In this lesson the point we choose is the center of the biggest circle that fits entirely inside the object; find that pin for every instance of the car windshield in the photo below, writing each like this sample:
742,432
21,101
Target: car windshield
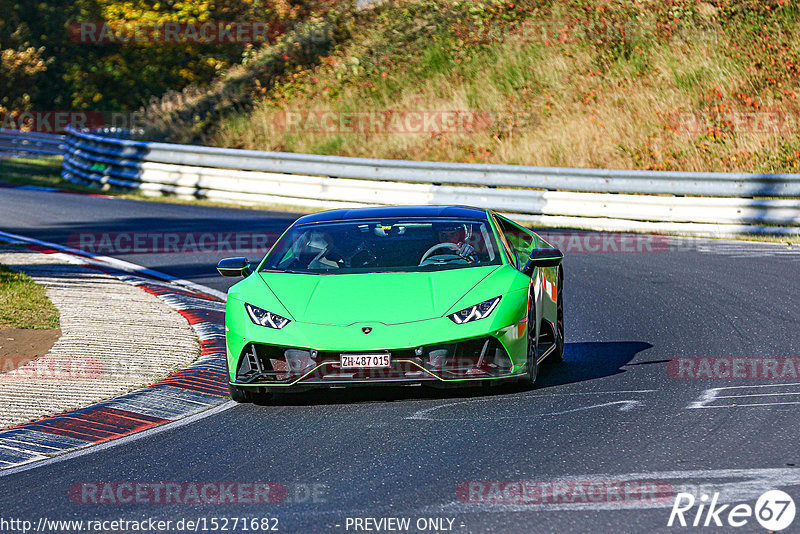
384,245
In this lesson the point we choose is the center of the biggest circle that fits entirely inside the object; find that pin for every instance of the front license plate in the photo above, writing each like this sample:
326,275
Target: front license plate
365,361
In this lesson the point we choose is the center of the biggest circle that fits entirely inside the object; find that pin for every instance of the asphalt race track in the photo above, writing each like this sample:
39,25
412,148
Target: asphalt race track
613,411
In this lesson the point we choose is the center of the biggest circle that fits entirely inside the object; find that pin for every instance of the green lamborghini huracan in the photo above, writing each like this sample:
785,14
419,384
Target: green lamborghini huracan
394,295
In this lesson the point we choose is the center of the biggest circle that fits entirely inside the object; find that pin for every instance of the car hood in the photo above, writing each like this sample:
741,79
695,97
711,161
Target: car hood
388,298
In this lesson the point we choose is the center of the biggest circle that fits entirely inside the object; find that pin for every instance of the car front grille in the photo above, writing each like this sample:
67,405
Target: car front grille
476,358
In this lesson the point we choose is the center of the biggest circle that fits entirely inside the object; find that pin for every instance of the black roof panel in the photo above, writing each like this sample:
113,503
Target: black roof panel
457,212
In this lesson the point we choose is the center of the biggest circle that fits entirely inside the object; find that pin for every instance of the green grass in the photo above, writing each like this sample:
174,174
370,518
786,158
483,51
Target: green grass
44,171
608,92
23,304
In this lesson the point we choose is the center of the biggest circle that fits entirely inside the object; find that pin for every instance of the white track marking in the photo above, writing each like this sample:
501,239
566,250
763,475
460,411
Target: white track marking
750,485
751,405
627,405
710,395
91,448
604,392
424,414
757,395
748,249
114,262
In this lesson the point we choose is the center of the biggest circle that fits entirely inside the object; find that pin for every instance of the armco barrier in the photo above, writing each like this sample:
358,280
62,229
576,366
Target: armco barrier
692,203
16,143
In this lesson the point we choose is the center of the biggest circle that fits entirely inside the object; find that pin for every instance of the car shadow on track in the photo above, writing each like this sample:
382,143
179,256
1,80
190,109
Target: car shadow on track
590,360
582,361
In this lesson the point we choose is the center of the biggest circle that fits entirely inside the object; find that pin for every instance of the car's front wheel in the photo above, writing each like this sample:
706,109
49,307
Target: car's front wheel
247,395
532,366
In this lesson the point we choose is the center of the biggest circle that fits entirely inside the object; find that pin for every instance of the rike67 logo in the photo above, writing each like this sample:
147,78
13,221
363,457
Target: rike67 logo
774,510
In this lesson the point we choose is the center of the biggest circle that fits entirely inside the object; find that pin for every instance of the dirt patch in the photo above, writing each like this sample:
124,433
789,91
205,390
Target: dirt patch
18,346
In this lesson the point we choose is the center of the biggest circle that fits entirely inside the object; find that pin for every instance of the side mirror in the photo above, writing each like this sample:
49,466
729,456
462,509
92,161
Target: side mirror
234,267
542,257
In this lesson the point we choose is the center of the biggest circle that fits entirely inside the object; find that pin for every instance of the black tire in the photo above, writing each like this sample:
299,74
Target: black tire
239,394
532,367
558,353
248,395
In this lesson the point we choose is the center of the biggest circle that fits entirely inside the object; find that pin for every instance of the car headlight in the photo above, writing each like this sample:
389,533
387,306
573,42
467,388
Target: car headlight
265,318
473,313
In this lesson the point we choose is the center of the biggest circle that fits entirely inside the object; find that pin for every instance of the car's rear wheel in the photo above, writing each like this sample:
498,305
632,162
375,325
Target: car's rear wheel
558,353
532,366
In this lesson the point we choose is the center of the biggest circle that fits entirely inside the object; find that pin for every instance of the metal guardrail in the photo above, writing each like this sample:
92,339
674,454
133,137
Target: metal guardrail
16,142
600,199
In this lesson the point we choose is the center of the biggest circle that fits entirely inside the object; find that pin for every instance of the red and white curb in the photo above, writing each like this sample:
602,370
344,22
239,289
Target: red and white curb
185,393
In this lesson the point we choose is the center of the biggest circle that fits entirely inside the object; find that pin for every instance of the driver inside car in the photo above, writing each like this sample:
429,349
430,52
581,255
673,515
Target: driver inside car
459,235
321,244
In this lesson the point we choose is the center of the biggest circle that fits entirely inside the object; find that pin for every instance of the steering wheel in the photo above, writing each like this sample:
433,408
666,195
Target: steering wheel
436,247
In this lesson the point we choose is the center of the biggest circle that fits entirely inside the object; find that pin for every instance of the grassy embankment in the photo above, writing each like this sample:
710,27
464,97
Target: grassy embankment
641,84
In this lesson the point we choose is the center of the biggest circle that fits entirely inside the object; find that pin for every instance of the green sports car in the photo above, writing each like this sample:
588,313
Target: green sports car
425,295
